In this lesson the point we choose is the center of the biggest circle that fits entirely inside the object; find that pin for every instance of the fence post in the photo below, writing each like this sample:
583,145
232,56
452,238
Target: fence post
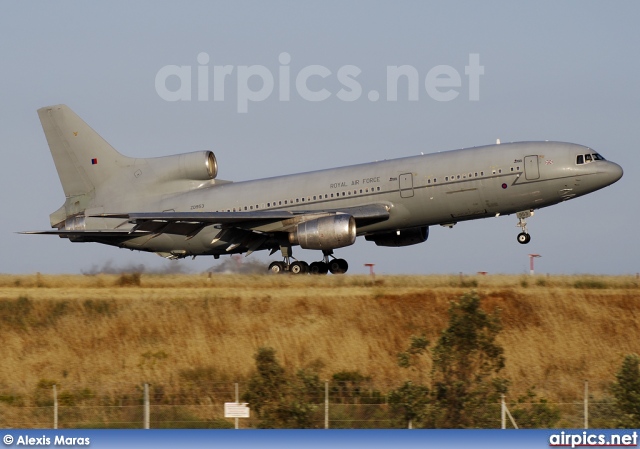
326,404
505,412
146,406
586,404
237,402
55,407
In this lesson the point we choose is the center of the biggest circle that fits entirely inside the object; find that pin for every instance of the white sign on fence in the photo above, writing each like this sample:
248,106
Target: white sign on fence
236,410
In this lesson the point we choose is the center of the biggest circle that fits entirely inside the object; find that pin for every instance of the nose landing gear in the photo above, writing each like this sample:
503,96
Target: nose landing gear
523,237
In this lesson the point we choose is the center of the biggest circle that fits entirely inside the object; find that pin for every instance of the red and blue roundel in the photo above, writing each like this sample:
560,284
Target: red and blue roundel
504,185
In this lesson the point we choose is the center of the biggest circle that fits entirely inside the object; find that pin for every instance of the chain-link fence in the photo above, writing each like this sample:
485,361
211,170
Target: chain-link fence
342,405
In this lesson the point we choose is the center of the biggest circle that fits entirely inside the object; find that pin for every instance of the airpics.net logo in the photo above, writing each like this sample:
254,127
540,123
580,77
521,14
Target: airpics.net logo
314,83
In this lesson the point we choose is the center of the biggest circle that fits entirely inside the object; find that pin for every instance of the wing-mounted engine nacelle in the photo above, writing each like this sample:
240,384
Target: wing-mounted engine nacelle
333,231
197,166
403,237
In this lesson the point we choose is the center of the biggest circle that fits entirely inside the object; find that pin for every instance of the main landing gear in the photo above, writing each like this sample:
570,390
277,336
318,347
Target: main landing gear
335,266
524,236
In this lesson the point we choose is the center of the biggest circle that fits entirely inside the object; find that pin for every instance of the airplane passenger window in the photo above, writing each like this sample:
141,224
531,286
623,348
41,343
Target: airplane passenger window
580,159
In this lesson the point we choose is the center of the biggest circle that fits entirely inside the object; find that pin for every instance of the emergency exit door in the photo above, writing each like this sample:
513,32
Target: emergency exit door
531,170
406,185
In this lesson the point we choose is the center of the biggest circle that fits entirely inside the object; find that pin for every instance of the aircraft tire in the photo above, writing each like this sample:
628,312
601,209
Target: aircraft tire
338,266
299,268
276,267
524,238
318,268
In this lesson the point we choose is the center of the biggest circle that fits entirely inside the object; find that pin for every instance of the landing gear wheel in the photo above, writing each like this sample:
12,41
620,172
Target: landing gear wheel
318,268
277,267
299,267
524,238
338,266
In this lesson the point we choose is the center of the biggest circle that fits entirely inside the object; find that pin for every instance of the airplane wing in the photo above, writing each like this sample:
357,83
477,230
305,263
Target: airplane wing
249,231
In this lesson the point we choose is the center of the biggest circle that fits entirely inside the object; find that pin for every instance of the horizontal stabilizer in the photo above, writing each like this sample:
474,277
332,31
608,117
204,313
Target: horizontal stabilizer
92,233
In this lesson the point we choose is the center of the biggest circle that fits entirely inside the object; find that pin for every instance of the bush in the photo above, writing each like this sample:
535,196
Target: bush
129,280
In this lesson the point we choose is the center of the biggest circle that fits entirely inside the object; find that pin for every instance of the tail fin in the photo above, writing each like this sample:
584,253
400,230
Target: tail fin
83,159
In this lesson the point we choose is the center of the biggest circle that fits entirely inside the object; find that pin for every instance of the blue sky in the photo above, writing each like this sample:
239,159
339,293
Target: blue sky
552,71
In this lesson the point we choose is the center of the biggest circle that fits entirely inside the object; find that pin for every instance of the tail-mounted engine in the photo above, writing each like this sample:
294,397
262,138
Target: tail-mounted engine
197,166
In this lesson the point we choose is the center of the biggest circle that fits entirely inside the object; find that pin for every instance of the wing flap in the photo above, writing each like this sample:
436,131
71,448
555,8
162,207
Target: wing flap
204,217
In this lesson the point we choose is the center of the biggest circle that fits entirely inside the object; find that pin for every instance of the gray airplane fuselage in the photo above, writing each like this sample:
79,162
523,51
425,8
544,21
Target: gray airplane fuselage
431,189
175,206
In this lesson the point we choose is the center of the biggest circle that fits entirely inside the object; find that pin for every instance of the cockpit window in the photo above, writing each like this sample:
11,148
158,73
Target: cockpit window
586,158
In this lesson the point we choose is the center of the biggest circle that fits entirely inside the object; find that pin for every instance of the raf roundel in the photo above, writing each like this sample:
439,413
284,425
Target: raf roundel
504,185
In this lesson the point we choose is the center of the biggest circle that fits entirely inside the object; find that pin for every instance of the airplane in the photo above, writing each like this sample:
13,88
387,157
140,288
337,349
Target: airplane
176,207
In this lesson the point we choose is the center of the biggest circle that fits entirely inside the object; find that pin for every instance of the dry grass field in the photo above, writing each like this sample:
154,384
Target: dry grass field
106,330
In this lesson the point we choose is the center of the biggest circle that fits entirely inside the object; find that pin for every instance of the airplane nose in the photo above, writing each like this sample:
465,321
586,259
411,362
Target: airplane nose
617,172
613,172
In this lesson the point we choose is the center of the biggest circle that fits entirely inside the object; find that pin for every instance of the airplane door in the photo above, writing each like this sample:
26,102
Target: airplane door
406,185
531,170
